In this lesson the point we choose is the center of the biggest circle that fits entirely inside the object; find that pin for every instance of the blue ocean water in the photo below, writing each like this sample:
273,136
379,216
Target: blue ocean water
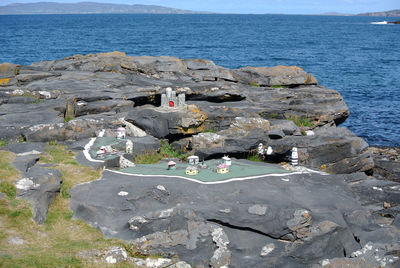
348,54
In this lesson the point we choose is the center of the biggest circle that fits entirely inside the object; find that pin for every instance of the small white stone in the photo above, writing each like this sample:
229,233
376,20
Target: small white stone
155,263
161,187
285,180
267,249
226,210
26,184
123,193
111,259
257,209
310,133
45,94
377,188
29,153
325,262
166,213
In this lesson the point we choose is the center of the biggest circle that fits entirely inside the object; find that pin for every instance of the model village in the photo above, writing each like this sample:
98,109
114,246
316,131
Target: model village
117,151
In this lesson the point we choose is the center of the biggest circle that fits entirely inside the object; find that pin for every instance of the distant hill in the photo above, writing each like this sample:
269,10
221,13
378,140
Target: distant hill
88,8
336,14
391,13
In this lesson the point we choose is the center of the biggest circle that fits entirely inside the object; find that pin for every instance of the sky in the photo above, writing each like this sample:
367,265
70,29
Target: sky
255,6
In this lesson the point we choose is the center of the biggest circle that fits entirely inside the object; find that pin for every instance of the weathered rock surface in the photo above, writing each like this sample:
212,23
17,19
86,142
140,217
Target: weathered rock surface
334,150
162,123
387,162
39,189
301,221
39,185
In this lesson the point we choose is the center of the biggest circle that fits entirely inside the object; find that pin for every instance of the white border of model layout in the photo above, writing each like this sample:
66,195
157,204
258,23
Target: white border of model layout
89,158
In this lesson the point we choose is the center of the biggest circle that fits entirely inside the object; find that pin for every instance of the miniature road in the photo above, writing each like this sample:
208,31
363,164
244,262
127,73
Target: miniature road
239,170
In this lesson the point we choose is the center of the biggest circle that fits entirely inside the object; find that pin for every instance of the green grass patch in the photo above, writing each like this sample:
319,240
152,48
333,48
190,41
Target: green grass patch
277,86
254,158
210,130
65,187
57,154
8,188
273,115
148,158
300,121
3,143
166,151
67,119
7,171
56,243
254,84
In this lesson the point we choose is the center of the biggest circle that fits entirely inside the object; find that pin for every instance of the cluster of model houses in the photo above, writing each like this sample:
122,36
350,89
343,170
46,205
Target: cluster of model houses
195,165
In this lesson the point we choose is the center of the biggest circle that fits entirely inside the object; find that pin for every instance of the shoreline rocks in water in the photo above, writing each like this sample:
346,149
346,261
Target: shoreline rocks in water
303,220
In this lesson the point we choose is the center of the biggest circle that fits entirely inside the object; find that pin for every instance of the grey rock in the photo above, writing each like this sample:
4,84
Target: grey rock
304,228
276,134
115,255
258,210
40,189
162,122
21,100
396,222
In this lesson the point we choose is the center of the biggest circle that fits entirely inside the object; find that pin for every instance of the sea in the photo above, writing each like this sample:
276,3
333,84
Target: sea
349,54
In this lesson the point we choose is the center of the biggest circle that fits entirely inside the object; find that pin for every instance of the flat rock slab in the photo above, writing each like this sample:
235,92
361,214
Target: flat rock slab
290,221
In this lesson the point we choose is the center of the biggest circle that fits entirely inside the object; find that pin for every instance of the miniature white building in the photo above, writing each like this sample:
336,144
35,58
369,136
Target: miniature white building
171,165
226,161
129,147
100,153
260,149
294,157
121,133
192,171
222,169
169,99
193,160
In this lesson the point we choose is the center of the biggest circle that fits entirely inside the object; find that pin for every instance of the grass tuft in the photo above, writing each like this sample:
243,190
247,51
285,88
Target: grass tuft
3,143
254,157
166,151
302,121
254,84
8,188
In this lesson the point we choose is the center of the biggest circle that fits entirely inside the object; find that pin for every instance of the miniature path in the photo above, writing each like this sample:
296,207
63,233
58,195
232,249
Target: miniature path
240,170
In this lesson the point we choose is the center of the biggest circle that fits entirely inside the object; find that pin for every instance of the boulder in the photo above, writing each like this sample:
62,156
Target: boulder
166,122
8,72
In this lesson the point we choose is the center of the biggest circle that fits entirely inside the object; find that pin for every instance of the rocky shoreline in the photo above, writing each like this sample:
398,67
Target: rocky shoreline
349,215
